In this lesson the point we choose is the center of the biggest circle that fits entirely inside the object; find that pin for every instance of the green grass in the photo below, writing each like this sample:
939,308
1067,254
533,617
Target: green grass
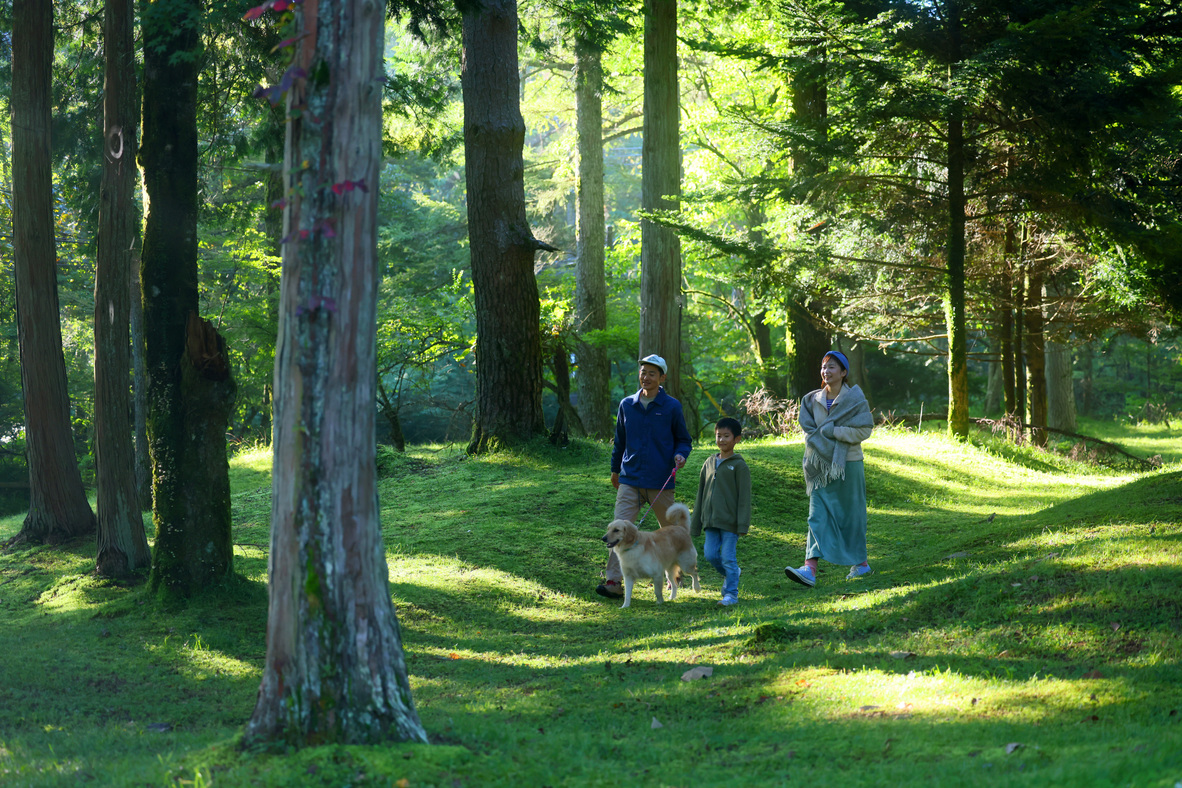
1023,626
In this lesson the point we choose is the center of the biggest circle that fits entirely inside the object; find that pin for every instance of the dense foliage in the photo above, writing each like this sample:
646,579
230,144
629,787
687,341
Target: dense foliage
862,239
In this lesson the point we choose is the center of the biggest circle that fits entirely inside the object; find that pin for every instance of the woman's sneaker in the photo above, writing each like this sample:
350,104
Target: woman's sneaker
858,571
804,575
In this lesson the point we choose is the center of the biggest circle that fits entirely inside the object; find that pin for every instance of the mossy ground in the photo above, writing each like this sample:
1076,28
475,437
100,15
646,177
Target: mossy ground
1023,626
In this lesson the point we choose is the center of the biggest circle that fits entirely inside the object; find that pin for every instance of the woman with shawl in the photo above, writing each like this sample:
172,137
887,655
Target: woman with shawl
835,419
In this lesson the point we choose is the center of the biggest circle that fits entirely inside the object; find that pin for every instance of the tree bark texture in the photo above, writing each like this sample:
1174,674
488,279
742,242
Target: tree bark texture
508,337
58,509
1036,377
139,375
1060,388
190,389
593,378
954,296
660,189
1005,331
806,341
806,344
335,670
122,544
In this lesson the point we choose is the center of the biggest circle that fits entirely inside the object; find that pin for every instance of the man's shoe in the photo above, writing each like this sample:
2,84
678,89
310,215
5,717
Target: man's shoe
611,589
804,575
858,571
727,601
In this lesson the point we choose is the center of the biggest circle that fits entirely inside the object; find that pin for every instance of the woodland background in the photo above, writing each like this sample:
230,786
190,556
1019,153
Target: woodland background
1072,173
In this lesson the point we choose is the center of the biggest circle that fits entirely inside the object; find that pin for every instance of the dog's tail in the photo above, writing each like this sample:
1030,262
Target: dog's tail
678,514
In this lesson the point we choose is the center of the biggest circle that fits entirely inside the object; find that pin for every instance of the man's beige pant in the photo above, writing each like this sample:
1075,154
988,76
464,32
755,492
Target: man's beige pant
629,501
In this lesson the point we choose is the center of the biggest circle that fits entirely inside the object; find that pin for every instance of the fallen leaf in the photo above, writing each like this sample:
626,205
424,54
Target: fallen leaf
1093,674
700,672
1047,557
656,724
1093,718
1034,578
902,654
403,783
1012,746
961,554
159,727
1015,585
1115,625
974,702
868,708
1003,653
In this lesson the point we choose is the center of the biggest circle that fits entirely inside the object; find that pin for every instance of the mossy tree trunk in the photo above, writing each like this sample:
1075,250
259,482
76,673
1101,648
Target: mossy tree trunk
954,295
508,336
661,298
58,509
593,382
122,545
335,670
1036,377
190,390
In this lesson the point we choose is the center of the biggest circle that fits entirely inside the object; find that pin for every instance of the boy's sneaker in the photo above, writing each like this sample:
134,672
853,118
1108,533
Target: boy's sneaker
804,575
611,589
858,571
727,601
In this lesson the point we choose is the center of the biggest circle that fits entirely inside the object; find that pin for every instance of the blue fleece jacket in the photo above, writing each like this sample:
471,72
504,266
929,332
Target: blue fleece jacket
647,439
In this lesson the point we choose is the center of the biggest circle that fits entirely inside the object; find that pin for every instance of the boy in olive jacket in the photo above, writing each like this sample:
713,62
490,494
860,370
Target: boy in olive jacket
723,506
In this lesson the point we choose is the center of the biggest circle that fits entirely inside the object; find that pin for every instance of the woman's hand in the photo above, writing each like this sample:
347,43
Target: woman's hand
827,429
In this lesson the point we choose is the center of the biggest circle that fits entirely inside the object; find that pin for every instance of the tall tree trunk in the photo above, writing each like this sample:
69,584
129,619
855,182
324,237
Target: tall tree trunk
508,337
122,544
1005,329
593,380
954,297
1088,358
660,190
139,376
1060,388
58,509
993,386
1035,357
190,390
335,670
806,343
1019,285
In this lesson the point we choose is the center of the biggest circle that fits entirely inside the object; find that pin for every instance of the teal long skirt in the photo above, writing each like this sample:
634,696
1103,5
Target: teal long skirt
837,519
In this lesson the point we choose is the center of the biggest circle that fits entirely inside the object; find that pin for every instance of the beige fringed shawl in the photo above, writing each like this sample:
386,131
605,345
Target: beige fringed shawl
824,458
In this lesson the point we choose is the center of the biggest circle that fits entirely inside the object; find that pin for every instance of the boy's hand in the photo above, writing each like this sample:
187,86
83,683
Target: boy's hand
616,480
679,461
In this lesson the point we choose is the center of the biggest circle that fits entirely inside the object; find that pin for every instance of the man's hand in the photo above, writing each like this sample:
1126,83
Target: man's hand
678,461
616,480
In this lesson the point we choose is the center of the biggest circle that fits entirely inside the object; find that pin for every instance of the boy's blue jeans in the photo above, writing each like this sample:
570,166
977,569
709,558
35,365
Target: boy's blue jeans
720,549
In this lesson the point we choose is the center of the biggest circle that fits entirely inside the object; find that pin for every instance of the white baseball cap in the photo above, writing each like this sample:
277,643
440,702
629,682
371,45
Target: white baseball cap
656,361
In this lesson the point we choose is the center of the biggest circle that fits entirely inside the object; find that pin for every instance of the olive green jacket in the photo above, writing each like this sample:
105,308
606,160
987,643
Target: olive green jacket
724,496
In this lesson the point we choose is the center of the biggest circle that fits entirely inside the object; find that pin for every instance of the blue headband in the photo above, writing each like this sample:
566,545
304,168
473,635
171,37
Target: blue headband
841,359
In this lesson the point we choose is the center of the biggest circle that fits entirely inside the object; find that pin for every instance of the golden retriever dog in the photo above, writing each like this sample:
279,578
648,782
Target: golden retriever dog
661,554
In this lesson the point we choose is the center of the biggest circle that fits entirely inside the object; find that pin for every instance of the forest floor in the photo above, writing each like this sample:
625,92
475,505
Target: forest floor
1023,626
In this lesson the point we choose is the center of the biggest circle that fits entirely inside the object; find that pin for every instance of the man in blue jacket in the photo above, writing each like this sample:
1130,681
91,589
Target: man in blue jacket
651,441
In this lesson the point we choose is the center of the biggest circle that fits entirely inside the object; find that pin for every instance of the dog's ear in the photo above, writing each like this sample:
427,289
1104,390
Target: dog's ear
630,532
